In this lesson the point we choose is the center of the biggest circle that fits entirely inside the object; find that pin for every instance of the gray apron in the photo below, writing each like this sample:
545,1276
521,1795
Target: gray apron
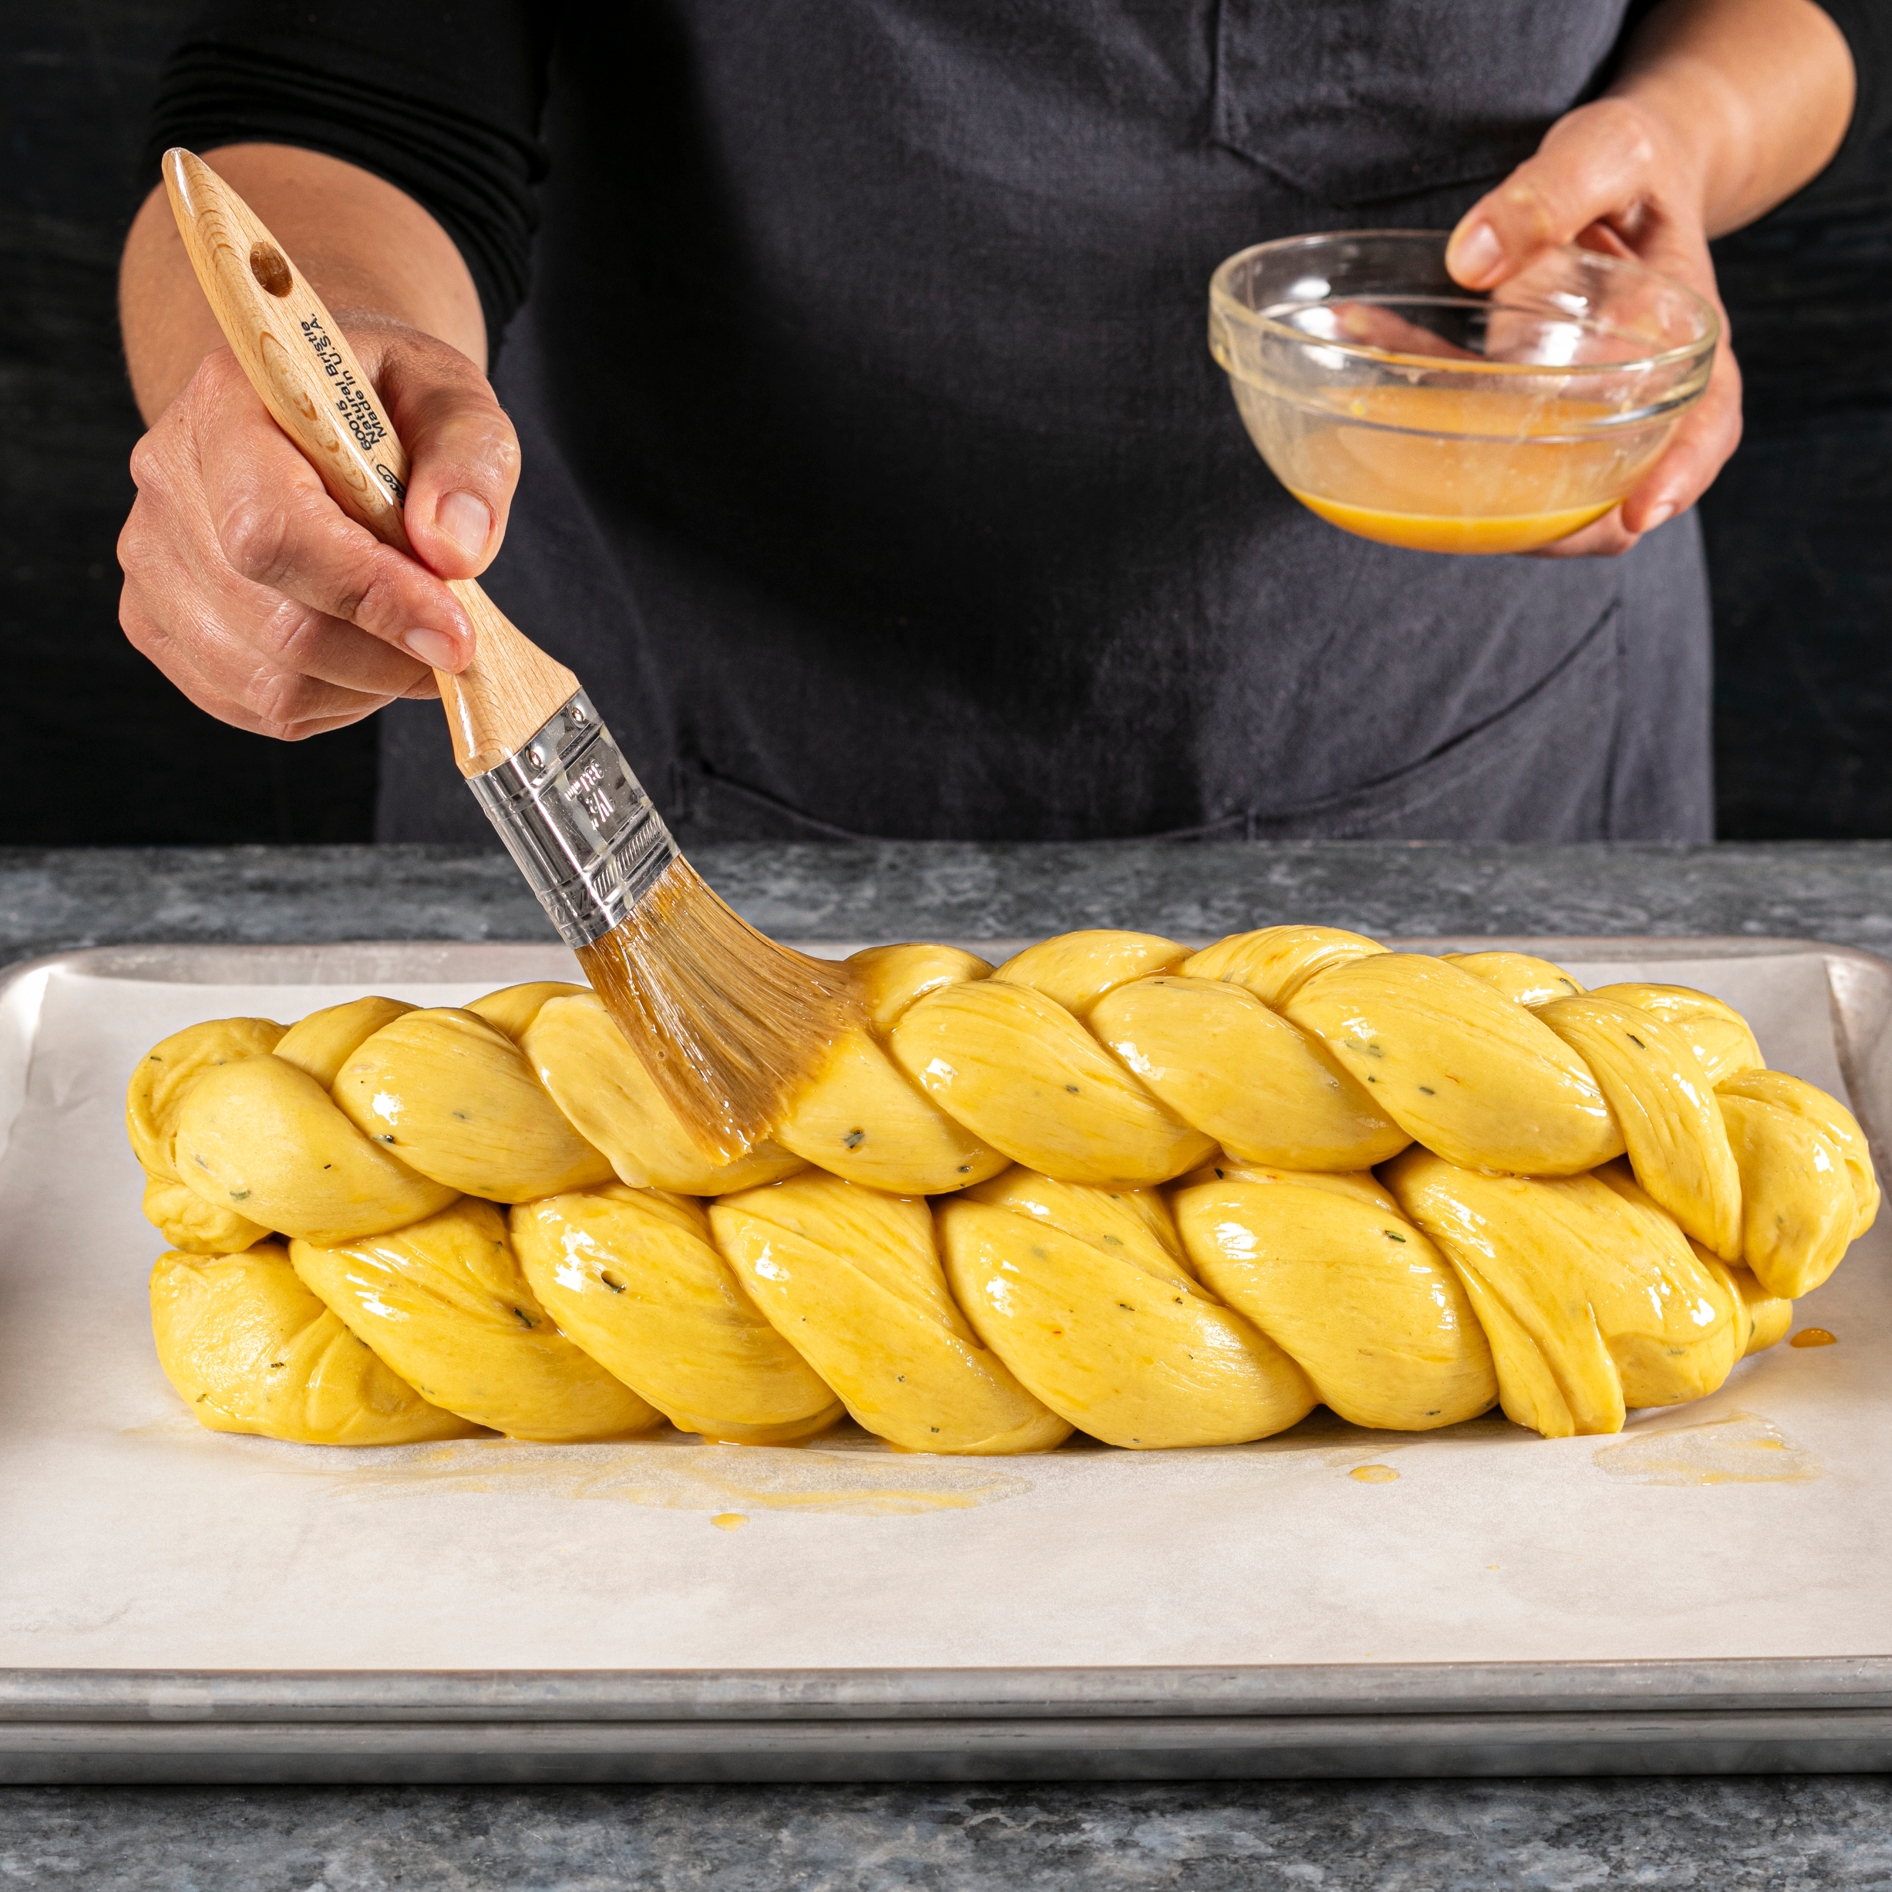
878,481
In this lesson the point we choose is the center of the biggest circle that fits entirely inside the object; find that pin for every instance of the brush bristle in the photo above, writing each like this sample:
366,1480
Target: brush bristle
729,1024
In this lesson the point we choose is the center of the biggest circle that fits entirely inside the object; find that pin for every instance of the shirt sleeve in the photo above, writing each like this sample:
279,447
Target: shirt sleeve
1867,25
443,101
1867,28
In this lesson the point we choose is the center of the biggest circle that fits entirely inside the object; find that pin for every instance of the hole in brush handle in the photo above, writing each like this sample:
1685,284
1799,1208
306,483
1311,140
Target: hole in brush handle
271,269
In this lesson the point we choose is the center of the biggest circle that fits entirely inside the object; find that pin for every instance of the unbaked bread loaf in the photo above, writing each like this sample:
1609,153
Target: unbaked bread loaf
1163,1197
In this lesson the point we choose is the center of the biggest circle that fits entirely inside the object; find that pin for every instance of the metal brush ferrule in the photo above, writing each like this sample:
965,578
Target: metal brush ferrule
578,822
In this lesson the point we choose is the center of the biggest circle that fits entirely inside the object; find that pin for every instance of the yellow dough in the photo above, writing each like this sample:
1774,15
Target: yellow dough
1462,1069
1242,1074
266,1140
1521,977
1592,1302
445,1304
890,978
1767,1316
322,1043
195,1226
1797,1200
167,1072
1075,970
513,1007
1084,1295
851,1280
1275,962
865,1119
1828,1116
1701,1331
453,1097
1361,1300
591,1075
1165,1197
250,1349
632,1276
1361,1185
1670,1121
1719,1036
1023,1075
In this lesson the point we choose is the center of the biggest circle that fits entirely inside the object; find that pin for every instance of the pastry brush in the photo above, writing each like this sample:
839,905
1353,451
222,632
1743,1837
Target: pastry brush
728,1023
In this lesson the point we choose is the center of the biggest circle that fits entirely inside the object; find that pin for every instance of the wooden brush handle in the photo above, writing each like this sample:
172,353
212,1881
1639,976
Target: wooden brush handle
299,361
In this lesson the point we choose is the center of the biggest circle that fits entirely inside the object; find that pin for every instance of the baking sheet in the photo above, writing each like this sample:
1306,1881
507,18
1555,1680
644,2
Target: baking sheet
1751,1524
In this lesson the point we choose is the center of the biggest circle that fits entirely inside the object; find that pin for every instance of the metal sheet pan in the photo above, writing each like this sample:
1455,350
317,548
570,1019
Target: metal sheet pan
1809,1713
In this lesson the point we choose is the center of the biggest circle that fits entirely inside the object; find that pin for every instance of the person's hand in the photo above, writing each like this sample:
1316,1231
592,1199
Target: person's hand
1615,176
258,596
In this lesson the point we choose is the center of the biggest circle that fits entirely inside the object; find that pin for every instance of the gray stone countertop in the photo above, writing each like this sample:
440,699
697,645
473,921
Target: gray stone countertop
1726,1835
56,898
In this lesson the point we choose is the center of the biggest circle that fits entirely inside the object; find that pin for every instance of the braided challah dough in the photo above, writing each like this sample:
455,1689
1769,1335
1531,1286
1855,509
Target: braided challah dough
1162,1197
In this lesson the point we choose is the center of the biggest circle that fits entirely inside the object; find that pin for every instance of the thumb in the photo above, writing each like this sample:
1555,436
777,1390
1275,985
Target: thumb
463,454
1591,167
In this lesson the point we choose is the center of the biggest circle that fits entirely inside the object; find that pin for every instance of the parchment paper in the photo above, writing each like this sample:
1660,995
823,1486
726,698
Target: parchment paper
1753,1523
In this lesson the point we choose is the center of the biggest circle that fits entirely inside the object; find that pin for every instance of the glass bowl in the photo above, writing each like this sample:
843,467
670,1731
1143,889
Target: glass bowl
1404,408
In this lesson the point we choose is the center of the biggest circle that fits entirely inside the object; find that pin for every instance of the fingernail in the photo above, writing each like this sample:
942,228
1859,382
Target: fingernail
467,520
1658,515
434,648
1474,252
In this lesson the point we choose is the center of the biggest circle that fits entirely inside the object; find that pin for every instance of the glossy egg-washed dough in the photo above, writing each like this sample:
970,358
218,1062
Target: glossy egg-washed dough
1161,1197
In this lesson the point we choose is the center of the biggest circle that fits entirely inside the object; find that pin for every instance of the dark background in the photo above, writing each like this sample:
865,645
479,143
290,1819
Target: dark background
100,749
